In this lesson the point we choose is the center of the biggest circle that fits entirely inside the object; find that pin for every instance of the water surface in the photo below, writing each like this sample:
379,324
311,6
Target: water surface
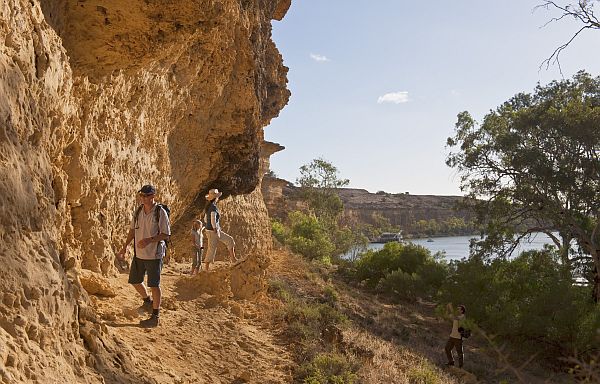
457,247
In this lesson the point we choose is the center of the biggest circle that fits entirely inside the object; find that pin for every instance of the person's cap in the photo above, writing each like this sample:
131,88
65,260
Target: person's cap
148,190
213,194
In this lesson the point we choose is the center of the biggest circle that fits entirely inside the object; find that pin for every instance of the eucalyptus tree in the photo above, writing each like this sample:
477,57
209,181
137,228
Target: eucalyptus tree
533,165
319,181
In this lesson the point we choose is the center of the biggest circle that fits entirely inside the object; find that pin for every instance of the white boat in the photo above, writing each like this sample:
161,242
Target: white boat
387,237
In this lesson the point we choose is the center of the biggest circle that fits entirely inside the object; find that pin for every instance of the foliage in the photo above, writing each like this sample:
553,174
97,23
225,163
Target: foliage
307,321
329,368
423,374
535,160
308,237
452,226
401,270
320,233
278,230
318,182
530,299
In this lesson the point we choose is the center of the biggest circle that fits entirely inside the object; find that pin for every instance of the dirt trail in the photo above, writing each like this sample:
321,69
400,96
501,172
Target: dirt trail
203,336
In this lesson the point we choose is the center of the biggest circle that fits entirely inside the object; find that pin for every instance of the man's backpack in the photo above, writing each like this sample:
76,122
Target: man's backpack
464,333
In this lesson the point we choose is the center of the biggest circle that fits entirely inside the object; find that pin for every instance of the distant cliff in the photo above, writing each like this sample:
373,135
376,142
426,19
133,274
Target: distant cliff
402,210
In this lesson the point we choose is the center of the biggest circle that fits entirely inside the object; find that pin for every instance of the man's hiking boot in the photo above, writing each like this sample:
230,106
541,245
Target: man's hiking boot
150,322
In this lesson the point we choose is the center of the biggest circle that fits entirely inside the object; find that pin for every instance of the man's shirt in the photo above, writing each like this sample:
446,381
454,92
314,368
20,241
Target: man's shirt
146,226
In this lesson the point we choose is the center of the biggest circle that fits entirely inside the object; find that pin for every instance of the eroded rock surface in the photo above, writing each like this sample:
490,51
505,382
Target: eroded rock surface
96,99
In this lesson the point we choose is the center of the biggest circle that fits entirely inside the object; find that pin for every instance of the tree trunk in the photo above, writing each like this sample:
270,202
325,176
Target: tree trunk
596,282
565,248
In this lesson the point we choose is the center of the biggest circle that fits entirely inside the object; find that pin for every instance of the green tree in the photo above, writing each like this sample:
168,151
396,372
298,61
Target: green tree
318,182
534,163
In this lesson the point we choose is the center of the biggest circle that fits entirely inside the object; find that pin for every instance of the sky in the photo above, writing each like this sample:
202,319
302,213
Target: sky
376,85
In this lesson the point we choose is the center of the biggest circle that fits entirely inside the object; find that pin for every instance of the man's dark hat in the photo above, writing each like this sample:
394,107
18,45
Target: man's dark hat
148,189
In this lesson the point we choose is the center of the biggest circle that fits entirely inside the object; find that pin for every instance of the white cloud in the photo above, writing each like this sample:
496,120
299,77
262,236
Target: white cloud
319,58
455,92
394,97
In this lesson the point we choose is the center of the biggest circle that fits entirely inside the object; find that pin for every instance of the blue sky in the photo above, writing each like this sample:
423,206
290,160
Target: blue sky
376,85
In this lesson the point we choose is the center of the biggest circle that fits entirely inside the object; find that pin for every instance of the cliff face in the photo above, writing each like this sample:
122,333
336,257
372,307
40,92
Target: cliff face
401,210
97,99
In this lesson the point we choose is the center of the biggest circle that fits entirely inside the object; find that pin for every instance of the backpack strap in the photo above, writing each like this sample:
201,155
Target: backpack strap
159,207
135,224
137,214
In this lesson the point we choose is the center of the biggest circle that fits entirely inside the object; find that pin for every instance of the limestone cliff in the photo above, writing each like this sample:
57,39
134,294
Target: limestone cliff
402,210
98,98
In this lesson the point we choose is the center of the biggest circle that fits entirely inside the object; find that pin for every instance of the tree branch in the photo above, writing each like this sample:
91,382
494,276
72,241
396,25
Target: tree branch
583,12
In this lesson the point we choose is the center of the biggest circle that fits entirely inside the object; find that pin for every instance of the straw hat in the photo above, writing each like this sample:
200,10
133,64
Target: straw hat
213,194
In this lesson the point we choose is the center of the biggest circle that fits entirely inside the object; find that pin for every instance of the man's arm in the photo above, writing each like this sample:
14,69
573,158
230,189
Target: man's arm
154,239
121,253
163,225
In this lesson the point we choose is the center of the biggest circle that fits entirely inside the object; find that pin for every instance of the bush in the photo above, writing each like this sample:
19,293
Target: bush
329,368
278,231
401,284
308,237
402,270
307,326
423,374
529,298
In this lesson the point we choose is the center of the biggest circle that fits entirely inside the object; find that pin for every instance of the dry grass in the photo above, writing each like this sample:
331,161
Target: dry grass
385,362
400,342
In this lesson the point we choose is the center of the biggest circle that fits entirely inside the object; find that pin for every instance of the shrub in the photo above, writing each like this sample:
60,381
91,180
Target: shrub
278,231
529,298
329,368
401,284
330,295
423,374
308,237
402,270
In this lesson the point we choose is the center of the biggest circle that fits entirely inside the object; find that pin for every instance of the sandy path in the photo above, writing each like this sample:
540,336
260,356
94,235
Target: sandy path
201,338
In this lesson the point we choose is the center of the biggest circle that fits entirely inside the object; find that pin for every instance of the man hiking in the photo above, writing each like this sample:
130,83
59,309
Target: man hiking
150,228
455,341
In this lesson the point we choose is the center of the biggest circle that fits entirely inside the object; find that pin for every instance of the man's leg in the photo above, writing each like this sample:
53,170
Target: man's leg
156,295
154,268
448,349
141,288
459,350
136,278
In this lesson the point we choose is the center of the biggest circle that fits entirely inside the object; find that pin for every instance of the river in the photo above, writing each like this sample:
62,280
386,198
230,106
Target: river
457,247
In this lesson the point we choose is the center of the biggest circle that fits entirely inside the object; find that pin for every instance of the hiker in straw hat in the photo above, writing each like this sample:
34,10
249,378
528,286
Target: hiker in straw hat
213,230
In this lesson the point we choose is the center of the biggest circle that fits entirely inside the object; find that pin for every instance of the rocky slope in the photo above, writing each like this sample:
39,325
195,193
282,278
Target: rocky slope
98,98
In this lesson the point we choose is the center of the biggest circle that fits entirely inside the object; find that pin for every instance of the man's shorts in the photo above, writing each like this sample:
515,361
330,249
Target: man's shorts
140,267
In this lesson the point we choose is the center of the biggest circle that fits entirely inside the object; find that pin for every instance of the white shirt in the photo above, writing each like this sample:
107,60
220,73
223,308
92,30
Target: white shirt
148,227
198,240
455,324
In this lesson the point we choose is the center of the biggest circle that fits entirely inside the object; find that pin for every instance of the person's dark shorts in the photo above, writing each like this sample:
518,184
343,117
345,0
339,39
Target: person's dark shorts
140,267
